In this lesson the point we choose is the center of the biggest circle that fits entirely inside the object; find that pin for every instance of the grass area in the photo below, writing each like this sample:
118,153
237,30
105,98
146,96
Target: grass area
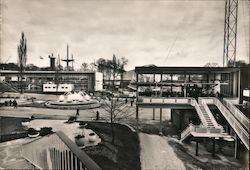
126,144
11,128
202,162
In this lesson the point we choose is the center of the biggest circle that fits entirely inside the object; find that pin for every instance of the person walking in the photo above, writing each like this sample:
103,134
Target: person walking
77,112
132,102
97,115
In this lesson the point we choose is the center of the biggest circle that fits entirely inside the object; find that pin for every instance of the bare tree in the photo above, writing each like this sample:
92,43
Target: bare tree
118,110
22,57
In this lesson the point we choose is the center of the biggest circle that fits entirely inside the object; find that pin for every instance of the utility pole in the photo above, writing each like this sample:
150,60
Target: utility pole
230,33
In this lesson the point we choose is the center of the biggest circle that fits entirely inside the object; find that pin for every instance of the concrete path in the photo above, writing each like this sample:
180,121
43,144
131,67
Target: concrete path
157,154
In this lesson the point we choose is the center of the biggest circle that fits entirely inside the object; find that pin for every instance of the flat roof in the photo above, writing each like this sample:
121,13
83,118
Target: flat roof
46,72
187,70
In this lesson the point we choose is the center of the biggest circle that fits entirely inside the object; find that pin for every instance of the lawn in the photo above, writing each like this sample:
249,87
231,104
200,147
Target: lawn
123,154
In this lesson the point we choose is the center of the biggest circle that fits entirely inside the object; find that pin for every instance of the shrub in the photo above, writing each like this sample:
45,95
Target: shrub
32,131
45,131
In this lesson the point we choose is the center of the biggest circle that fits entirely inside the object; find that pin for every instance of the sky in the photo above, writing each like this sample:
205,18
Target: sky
160,32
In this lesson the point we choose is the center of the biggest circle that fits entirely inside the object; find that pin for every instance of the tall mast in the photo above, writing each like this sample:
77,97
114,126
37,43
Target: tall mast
67,56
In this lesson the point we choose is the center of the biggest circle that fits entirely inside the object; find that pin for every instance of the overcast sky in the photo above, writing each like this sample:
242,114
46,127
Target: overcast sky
160,32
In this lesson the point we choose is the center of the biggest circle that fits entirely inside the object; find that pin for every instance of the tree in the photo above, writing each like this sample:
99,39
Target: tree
118,110
22,57
84,66
92,66
123,63
101,65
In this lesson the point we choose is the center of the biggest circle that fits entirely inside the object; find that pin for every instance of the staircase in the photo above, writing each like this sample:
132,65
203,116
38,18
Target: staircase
57,151
7,87
206,116
230,104
11,157
18,164
237,126
208,127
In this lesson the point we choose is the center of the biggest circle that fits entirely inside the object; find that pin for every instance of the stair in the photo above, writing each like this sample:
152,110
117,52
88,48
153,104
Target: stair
206,116
7,87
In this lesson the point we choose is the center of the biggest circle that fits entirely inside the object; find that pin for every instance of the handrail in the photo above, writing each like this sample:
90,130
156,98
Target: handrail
240,131
57,151
187,131
199,112
200,130
237,113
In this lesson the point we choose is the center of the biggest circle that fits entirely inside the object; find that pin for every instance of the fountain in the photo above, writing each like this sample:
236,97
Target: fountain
73,100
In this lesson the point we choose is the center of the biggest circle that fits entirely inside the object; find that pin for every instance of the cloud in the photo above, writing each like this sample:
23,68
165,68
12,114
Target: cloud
142,31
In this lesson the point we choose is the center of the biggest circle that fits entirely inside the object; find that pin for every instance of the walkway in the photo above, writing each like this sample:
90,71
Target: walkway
157,154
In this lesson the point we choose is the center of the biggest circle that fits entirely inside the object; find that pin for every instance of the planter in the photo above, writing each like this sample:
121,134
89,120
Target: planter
34,135
25,125
79,140
92,137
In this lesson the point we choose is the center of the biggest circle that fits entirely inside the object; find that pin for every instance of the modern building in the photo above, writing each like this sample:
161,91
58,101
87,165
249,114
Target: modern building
204,102
88,81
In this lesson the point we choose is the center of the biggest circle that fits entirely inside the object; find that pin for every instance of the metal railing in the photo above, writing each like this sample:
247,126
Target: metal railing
229,103
235,124
57,151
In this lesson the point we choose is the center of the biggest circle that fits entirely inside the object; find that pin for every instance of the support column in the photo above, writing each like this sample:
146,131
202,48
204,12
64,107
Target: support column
160,120
171,83
137,116
153,113
161,85
171,115
181,120
213,147
236,147
197,147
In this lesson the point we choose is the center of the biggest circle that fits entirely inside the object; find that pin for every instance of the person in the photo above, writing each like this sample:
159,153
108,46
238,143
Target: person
10,102
126,100
132,101
97,115
77,112
15,104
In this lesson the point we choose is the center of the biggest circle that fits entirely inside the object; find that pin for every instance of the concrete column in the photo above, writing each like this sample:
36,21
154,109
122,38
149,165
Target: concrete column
197,147
236,147
161,86
171,83
235,83
181,120
137,116
171,115
213,147
153,113
160,120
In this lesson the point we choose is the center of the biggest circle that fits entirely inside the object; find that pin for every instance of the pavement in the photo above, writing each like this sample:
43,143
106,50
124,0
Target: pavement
157,154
